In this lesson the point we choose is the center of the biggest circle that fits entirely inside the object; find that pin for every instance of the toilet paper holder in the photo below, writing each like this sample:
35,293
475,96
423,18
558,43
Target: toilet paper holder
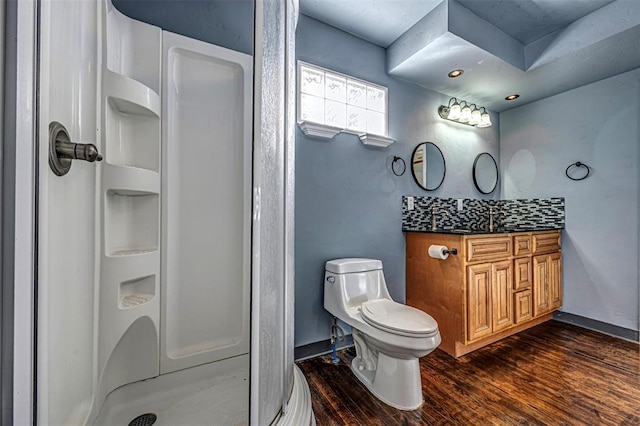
440,252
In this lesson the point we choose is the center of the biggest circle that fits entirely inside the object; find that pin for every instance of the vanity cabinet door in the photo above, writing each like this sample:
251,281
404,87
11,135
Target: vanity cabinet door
540,285
479,319
547,283
555,280
501,295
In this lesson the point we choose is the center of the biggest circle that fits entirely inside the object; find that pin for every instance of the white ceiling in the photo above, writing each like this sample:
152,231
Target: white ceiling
536,48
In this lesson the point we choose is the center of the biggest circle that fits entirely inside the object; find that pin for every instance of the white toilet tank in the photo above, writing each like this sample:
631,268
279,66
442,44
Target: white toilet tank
350,282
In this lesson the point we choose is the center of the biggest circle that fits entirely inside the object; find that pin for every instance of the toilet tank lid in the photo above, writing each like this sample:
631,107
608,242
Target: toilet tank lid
353,264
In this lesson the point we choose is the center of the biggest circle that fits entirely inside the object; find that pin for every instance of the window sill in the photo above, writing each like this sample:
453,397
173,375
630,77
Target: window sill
376,140
317,130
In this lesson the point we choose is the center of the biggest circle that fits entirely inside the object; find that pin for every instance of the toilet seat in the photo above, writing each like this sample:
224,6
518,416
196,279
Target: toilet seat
396,318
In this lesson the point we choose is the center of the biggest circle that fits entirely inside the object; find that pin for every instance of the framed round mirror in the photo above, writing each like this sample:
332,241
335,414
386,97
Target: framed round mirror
485,173
428,166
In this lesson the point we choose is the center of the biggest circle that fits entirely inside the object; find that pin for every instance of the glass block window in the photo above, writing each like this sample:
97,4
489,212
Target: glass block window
333,99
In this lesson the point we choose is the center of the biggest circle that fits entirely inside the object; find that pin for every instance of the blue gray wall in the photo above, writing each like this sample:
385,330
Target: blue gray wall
348,203
226,23
598,124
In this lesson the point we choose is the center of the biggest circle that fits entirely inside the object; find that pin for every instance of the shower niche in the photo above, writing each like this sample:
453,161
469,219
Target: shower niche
137,292
132,222
133,129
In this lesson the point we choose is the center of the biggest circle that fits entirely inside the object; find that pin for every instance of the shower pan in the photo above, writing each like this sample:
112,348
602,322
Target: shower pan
156,264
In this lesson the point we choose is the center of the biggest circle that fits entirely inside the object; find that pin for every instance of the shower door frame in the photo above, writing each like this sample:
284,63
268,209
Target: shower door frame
21,258
273,235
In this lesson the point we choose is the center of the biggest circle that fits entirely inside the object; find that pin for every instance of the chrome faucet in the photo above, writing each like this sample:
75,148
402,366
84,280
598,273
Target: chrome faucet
434,214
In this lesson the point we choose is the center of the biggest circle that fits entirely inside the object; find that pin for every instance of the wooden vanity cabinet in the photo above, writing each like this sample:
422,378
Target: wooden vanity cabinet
497,285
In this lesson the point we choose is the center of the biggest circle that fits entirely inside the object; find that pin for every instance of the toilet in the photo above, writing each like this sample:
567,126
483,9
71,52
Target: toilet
389,337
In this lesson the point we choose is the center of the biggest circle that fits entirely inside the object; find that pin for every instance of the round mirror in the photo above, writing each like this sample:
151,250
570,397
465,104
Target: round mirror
428,166
485,173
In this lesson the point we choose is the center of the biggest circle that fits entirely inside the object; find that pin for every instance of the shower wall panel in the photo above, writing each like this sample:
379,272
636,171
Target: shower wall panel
206,200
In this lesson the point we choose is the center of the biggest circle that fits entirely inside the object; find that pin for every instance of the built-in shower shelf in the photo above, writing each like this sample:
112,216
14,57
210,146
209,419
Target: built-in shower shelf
133,252
132,300
131,96
122,179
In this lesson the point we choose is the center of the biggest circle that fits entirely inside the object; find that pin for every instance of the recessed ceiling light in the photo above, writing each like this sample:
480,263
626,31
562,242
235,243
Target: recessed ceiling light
455,73
512,97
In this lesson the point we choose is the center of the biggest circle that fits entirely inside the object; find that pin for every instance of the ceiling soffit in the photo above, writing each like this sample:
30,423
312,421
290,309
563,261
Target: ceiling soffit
596,46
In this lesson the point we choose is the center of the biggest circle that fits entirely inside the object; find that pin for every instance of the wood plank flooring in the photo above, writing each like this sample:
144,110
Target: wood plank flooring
552,374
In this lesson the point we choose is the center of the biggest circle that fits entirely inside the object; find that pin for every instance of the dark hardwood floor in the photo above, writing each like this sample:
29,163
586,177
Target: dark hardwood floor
552,374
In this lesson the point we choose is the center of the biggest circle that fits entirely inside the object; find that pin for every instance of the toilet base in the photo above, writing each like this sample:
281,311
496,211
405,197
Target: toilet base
394,381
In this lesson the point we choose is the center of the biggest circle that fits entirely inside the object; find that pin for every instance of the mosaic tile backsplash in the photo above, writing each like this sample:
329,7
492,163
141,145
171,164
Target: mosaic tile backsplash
510,215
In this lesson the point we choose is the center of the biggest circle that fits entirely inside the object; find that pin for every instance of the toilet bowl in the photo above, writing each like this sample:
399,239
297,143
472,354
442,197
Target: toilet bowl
389,337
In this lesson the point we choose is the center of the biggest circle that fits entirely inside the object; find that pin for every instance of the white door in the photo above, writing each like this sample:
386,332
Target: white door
66,220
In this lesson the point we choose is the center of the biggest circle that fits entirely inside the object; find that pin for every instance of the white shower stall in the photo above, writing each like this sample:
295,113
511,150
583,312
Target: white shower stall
163,274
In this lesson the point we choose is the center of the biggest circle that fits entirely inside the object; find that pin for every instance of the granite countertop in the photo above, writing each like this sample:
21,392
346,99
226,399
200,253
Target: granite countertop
479,231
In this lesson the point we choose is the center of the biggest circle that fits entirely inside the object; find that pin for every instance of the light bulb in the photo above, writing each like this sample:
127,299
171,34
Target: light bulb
465,115
485,120
454,112
475,117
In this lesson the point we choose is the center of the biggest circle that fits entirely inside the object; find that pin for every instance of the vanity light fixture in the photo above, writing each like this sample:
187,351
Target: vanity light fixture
454,110
512,97
455,73
465,114
475,116
485,119
461,111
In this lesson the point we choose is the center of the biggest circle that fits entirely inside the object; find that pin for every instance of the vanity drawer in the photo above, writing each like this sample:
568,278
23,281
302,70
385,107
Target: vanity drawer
546,242
521,245
488,248
523,306
522,273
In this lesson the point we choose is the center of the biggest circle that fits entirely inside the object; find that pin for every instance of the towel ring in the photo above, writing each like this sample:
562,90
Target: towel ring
399,160
579,165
